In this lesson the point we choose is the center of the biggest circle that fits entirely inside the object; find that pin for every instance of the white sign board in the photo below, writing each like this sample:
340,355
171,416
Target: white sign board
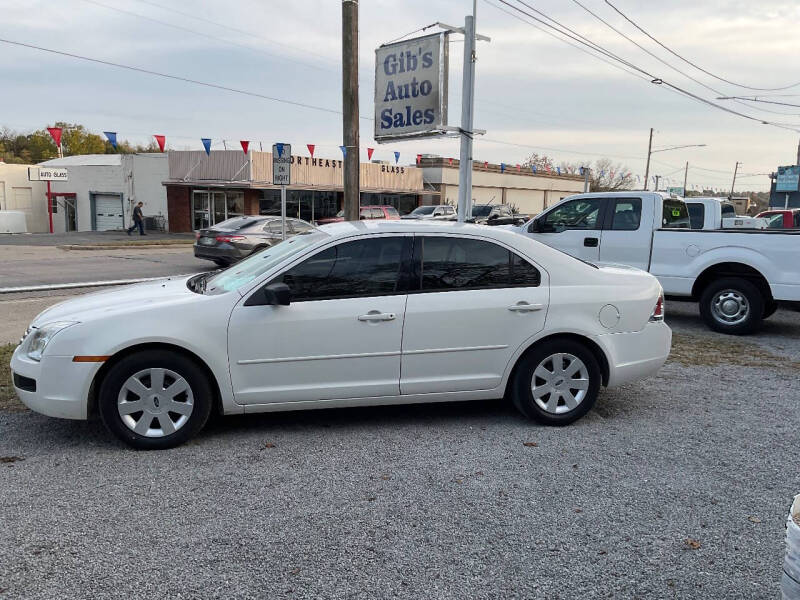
281,164
411,88
47,174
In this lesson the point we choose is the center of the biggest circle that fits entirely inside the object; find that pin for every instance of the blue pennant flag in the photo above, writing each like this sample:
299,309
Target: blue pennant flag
396,157
558,169
533,168
280,149
344,150
581,170
112,137
206,145
502,167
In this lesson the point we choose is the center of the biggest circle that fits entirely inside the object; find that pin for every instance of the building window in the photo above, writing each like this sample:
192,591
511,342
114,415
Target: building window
211,206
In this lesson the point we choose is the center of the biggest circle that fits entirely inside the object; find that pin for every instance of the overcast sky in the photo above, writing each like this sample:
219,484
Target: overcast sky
533,93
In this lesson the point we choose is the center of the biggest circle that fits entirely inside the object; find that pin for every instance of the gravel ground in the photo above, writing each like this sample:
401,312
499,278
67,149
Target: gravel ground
676,487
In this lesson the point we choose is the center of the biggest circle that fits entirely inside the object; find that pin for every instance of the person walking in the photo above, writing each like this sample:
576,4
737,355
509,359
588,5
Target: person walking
138,219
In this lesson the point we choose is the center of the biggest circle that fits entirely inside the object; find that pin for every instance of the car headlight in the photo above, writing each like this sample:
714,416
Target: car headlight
40,336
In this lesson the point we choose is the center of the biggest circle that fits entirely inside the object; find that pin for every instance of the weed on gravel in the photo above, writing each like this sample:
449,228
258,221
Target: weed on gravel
8,398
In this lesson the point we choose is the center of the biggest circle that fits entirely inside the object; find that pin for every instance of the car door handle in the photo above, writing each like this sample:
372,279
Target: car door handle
525,307
376,316
591,242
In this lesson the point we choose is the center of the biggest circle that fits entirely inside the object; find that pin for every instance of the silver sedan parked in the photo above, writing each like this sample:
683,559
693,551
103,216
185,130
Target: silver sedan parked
239,237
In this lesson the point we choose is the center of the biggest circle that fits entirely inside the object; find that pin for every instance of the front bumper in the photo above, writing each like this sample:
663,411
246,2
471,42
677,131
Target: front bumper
636,355
62,386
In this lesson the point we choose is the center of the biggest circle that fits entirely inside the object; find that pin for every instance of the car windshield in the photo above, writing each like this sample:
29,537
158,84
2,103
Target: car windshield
256,265
236,223
481,211
423,210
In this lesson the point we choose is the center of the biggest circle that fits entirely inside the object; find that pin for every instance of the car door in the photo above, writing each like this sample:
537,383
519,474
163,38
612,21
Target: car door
627,230
338,338
574,227
472,302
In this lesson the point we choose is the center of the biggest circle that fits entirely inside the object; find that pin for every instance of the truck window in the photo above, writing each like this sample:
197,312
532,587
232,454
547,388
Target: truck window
797,219
675,215
728,210
627,214
697,215
576,214
775,221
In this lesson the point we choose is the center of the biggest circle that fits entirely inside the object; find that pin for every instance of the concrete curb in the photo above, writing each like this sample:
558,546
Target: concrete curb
86,284
123,246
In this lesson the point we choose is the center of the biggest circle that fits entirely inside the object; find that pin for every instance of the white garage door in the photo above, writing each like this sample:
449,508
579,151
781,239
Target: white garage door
108,212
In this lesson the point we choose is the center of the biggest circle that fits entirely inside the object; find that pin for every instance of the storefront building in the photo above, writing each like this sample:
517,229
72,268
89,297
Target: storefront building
206,189
525,191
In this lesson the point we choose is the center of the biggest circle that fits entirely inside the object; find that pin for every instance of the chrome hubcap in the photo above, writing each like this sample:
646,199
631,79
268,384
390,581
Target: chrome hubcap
730,307
560,383
155,402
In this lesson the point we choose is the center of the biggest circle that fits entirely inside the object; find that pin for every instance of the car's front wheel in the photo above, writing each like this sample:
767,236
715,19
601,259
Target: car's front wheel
155,400
557,382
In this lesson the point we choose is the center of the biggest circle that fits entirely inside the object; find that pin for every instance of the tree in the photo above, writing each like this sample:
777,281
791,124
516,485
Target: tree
542,162
606,176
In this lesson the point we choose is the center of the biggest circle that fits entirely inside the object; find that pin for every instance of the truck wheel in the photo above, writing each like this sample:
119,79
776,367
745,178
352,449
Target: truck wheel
769,309
732,305
556,383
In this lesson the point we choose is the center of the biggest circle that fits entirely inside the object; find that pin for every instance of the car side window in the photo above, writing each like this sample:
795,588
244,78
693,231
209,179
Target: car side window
360,268
452,263
627,214
675,215
449,210
575,214
697,215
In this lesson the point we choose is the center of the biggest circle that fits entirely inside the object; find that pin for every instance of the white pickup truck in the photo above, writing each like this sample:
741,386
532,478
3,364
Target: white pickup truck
708,212
737,276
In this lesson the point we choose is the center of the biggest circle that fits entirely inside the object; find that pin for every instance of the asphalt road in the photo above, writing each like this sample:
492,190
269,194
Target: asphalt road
40,265
676,487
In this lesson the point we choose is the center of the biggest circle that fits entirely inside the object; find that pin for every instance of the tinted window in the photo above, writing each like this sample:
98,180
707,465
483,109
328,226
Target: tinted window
675,215
459,263
697,215
627,214
728,210
360,268
576,214
481,211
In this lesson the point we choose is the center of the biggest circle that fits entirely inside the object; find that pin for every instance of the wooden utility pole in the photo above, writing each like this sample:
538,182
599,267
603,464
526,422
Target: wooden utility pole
735,171
350,123
685,177
649,151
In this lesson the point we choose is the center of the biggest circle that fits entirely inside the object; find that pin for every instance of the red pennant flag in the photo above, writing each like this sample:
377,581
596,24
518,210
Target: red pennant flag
55,133
369,153
245,145
486,164
310,149
451,161
518,167
419,158
160,140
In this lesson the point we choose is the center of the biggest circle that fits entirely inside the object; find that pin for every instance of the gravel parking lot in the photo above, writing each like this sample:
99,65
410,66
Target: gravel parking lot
676,487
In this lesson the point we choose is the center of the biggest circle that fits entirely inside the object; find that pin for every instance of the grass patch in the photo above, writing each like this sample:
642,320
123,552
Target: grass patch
715,351
8,397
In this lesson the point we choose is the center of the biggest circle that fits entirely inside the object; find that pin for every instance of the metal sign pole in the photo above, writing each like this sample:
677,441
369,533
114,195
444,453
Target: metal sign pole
467,113
50,206
283,212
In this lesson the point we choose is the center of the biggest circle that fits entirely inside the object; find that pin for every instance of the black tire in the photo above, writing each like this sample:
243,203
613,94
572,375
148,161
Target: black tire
522,390
735,287
769,309
199,387
221,262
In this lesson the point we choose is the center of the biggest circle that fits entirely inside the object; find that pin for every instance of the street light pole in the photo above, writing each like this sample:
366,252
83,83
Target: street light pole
649,152
352,192
467,119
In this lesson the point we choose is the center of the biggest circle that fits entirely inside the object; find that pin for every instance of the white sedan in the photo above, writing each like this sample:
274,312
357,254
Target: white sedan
350,314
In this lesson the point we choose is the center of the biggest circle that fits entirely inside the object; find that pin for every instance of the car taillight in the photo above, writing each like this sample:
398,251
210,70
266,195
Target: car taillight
230,238
658,311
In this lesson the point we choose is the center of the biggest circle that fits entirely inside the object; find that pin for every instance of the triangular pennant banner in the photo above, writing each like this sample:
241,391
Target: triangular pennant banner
419,158
206,145
369,153
55,133
111,136
311,149
245,145
502,167
344,150
160,140
396,157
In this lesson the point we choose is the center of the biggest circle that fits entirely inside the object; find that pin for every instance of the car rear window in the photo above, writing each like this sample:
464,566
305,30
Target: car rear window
675,215
237,223
697,215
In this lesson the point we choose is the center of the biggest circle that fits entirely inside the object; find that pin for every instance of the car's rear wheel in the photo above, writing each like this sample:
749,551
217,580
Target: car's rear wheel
557,382
732,305
155,400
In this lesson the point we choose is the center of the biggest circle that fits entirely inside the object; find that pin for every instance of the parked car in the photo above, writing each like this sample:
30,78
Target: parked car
233,239
436,211
738,276
367,213
781,218
496,214
350,314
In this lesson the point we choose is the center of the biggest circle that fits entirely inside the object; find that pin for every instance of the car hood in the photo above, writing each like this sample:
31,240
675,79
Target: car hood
143,296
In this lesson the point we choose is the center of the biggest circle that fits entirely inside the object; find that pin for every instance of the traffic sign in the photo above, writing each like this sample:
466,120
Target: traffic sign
281,164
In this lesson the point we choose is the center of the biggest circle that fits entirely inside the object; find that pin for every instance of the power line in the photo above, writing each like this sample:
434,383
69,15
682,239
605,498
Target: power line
177,78
696,66
654,79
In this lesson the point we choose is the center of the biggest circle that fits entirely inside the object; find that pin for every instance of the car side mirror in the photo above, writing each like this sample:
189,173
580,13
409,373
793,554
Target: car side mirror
274,294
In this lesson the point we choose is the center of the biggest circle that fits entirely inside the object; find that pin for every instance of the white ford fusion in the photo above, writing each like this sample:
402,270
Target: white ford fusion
351,314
